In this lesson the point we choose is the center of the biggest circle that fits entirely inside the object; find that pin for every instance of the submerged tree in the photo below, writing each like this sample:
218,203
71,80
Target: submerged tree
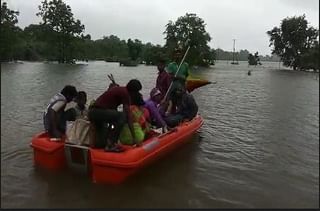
254,59
189,30
152,54
293,40
135,48
59,18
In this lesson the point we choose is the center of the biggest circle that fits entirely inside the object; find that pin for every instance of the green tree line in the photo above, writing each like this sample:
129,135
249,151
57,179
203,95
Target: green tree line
60,37
242,55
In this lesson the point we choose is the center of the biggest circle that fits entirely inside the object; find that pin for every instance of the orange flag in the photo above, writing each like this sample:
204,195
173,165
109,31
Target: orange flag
194,83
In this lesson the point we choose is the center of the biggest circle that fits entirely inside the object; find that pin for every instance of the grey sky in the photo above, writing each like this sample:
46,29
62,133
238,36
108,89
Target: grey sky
244,20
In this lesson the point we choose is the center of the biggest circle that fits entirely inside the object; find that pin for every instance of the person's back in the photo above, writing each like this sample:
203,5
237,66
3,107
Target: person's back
58,103
187,107
54,116
112,98
104,111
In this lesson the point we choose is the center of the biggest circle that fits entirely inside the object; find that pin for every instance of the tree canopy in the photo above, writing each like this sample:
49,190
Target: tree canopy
294,41
189,30
58,17
60,37
9,32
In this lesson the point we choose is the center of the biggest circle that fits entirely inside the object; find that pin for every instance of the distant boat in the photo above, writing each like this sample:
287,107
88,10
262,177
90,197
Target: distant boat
233,54
111,59
128,63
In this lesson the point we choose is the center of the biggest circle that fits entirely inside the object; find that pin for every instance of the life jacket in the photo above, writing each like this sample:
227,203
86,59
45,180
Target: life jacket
53,100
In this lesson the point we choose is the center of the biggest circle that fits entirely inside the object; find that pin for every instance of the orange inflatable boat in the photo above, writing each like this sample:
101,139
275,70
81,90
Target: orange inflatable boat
114,168
48,154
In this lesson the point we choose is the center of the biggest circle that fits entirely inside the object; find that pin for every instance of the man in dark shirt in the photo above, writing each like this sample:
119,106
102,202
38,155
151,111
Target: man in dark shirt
105,111
184,106
163,79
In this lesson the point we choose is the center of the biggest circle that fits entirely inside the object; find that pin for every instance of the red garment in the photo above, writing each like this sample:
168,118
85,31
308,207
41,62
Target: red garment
112,98
163,82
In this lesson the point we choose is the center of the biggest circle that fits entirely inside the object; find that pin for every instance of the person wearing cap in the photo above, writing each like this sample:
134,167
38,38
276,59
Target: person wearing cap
152,105
55,117
104,111
172,69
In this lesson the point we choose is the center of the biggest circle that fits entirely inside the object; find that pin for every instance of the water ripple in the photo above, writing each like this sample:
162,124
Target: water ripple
259,145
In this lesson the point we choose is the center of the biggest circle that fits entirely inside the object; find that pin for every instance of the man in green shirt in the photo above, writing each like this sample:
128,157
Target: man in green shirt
172,68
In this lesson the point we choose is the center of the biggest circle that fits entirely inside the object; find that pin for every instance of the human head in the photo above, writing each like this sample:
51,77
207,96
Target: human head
81,98
177,54
70,92
178,91
134,85
161,65
155,95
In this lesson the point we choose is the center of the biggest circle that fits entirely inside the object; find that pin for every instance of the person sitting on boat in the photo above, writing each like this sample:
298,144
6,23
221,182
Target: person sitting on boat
163,79
55,116
152,105
80,108
181,77
182,107
104,110
80,131
140,119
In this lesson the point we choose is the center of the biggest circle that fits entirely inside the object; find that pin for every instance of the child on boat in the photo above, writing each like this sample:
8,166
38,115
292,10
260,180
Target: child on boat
80,131
152,104
81,108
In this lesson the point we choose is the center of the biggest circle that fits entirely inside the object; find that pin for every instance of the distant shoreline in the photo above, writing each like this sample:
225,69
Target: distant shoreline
195,67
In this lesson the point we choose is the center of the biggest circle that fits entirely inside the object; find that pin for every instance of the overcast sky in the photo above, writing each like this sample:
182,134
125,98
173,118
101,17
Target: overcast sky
244,20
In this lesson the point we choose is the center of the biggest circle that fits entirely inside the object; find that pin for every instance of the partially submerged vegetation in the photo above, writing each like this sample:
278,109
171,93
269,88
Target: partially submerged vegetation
296,43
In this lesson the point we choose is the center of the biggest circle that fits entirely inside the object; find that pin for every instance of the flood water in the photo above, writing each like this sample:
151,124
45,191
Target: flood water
258,147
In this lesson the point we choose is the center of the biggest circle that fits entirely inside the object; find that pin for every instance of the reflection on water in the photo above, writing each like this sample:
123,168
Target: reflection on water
258,147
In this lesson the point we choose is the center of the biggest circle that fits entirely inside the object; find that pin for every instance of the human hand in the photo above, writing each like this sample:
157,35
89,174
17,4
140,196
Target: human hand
163,101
